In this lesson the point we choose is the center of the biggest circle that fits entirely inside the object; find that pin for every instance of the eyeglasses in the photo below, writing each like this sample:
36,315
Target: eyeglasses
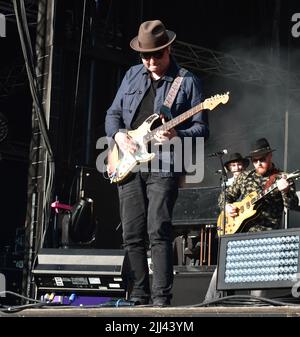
156,54
261,159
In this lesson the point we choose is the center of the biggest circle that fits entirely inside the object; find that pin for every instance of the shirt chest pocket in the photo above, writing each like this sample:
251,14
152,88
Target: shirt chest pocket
129,100
129,106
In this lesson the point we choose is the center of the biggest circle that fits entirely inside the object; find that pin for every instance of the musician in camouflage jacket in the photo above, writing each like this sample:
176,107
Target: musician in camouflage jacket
271,206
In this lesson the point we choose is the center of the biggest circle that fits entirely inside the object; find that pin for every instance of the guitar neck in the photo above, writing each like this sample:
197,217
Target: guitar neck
295,175
174,122
264,193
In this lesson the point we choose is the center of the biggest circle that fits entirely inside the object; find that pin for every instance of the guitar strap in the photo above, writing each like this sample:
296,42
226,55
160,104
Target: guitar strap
166,108
271,179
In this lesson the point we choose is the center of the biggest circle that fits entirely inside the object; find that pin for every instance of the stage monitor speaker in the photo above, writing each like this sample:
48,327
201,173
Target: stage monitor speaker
190,285
88,271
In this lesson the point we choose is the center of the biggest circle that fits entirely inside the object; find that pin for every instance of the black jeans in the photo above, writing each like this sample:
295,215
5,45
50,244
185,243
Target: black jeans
146,205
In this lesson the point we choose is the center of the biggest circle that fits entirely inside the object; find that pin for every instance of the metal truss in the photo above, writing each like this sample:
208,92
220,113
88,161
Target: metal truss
197,58
7,9
13,74
209,61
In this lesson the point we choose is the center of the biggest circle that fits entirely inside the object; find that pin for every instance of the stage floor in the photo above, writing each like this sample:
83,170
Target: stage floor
156,313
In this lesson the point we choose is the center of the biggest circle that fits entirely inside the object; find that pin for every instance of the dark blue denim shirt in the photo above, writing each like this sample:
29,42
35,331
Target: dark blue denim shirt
133,88
135,84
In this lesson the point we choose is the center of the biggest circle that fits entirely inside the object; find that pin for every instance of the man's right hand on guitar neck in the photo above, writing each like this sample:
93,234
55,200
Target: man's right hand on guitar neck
231,210
125,142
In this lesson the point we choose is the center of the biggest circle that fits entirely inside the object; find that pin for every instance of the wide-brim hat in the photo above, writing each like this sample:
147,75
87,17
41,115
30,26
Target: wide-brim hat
152,36
237,157
260,148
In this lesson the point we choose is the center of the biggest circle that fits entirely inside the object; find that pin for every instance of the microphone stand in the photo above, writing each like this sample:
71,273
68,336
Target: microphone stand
223,182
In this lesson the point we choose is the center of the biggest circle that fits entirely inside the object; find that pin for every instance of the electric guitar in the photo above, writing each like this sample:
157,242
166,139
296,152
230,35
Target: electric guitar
119,165
248,210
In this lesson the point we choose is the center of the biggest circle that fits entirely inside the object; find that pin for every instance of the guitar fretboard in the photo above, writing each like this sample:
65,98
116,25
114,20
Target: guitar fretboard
264,193
295,175
174,122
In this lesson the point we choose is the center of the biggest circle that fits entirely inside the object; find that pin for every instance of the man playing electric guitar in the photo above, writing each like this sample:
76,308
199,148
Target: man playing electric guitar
270,207
147,198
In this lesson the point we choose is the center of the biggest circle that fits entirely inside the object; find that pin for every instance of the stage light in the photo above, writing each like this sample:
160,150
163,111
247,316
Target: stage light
260,260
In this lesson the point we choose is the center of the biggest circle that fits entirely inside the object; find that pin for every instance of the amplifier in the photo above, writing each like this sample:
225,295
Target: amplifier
196,206
81,271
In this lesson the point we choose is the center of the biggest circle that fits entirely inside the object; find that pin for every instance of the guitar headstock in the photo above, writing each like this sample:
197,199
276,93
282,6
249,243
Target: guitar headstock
212,102
294,175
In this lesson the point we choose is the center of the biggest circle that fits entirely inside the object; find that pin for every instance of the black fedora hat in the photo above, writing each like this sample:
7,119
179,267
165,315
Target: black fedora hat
236,157
152,36
260,148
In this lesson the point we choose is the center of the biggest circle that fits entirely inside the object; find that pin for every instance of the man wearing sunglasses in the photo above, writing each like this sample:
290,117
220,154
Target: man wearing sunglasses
147,198
271,207
264,174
